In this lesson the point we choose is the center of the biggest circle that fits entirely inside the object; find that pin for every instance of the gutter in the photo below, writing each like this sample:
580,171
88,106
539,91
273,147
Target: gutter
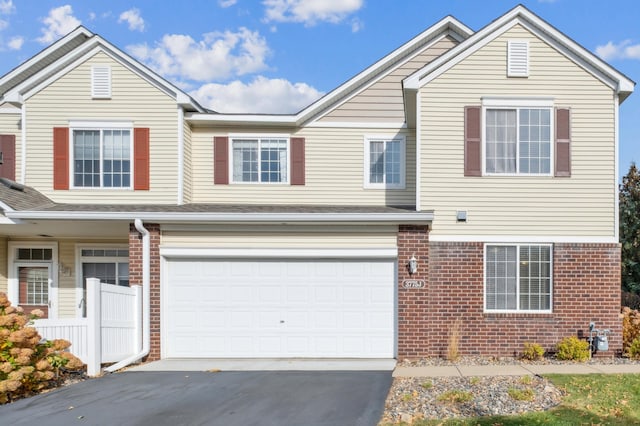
228,217
146,301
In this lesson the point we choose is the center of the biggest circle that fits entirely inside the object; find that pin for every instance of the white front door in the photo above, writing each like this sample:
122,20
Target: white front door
34,288
279,308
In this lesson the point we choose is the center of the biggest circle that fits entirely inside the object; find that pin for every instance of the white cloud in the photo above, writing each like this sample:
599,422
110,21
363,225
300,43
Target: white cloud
217,56
92,16
3,24
59,22
622,50
356,25
7,7
133,19
227,3
15,43
262,95
310,12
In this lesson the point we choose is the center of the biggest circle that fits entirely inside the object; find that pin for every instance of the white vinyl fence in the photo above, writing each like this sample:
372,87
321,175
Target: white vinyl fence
112,330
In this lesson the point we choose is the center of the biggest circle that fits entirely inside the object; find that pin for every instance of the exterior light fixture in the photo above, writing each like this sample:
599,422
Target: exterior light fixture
412,265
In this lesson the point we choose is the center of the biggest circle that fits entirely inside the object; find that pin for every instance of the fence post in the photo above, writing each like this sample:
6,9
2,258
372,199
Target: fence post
137,319
94,320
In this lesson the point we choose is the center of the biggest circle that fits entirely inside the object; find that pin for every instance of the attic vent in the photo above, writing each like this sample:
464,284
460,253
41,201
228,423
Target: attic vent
101,81
518,59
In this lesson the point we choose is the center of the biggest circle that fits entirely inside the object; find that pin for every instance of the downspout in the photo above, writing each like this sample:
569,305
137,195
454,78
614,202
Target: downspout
146,301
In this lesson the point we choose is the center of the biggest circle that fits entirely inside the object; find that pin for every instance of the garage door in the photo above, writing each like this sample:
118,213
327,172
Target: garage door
279,308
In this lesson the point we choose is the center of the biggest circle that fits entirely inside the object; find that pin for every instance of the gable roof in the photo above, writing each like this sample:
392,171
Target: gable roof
523,16
448,26
29,77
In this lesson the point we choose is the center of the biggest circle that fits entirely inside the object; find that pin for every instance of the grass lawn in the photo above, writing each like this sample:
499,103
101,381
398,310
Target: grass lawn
594,399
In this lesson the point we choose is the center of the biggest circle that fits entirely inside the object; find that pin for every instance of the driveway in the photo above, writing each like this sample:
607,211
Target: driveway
278,398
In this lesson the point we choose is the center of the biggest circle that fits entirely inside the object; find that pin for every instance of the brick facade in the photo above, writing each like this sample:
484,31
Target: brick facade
135,278
586,287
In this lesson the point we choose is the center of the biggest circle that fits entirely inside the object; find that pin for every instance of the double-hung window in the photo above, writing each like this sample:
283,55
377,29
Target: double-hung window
518,278
260,159
102,157
384,162
518,140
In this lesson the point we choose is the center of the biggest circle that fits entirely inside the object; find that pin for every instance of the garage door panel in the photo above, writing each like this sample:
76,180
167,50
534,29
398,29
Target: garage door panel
279,308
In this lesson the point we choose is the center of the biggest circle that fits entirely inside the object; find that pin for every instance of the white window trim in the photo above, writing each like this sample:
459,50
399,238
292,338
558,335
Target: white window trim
516,311
517,103
367,161
12,275
99,126
78,265
258,136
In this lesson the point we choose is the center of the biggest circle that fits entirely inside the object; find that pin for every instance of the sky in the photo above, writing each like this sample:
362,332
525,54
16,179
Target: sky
278,56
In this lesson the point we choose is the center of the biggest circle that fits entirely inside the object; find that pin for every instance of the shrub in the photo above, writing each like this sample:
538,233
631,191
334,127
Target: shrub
521,394
532,351
455,396
631,300
633,351
453,345
630,327
27,365
572,348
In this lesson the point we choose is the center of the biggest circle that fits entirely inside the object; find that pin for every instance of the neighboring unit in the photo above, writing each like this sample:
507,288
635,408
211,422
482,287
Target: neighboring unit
467,177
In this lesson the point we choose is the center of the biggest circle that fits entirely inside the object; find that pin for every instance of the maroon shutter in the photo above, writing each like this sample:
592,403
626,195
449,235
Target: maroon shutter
60,158
563,142
472,143
297,161
8,150
141,159
220,160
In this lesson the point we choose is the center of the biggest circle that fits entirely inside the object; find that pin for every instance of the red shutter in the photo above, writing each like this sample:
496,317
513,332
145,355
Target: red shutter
472,142
563,142
297,161
8,150
221,160
141,159
60,158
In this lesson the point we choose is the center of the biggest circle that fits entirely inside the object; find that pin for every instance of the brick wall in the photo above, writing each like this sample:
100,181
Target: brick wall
135,278
586,288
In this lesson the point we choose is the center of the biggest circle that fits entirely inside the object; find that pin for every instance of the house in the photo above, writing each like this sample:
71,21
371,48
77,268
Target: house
467,179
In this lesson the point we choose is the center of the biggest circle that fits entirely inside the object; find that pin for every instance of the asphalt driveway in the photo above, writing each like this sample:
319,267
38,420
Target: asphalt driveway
278,398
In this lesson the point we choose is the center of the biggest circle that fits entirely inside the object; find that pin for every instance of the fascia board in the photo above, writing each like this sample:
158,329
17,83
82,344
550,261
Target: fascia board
262,119
342,90
417,217
34,59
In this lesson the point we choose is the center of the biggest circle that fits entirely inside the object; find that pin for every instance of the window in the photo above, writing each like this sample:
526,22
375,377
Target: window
102,158
384,162
260,160
518,141
518,278
110,265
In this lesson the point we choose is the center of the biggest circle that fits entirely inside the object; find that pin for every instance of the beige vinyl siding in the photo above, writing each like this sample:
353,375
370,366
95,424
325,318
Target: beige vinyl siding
10,125
383,100
133,99
323,237
580,206
188,172
334,171
67,283
4,273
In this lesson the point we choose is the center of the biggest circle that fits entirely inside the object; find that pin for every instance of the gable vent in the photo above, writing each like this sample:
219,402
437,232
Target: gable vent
101,81
518,59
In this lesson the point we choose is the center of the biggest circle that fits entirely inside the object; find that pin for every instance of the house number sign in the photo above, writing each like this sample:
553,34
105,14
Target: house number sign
413,284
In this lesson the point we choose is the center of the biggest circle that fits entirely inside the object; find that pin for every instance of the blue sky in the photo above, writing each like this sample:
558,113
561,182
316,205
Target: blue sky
280,55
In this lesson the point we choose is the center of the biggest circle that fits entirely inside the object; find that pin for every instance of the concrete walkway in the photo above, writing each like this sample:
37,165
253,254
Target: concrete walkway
514,370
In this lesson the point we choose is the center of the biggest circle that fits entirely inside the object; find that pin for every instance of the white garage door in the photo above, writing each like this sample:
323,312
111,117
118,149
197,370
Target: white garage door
279,308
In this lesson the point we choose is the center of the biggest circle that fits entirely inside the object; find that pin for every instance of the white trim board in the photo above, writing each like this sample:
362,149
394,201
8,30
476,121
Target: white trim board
522,239
356,253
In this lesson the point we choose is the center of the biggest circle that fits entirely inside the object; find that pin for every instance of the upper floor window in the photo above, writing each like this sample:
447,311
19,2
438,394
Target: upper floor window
518,141
384,162
518,278
260,159
102,158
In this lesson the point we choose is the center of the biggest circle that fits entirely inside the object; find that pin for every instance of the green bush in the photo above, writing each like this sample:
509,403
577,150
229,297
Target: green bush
26,364
532,351
573,349
633,351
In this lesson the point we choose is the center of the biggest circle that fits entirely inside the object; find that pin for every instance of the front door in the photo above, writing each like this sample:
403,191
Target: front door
34,287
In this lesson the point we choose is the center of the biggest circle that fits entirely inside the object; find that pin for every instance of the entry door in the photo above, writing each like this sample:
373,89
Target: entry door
34,287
